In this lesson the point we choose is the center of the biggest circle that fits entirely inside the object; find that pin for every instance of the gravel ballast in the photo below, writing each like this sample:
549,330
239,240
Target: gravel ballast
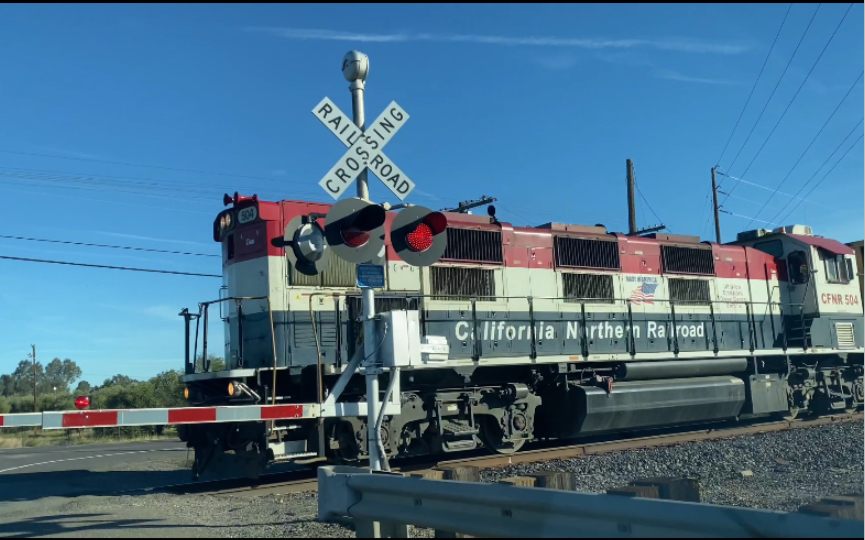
788,469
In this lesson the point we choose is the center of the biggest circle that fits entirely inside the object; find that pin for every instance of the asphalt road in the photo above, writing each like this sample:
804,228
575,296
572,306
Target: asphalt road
33,473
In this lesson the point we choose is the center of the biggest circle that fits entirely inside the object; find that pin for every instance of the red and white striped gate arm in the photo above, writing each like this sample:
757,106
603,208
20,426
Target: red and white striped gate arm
159,417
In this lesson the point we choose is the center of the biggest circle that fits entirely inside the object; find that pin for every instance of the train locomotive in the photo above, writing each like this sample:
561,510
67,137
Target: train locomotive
528,333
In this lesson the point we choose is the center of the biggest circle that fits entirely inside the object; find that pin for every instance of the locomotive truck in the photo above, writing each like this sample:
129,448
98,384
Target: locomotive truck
526,333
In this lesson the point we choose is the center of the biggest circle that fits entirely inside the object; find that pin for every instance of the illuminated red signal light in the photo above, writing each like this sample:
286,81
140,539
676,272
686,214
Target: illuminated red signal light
82,402
420,239
417,235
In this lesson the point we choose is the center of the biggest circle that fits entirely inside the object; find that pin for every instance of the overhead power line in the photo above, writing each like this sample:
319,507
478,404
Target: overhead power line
805,80
802,188
826,123
126,164
854,145
8,237
154,271
640,193
748,182
745,217
747,101
777,84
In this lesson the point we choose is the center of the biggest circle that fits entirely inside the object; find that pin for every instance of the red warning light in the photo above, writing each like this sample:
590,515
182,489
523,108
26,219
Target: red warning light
421,239
355,238
82,402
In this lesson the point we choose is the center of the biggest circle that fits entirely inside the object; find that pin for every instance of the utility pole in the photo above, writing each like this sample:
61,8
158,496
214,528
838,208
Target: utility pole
35,381
632,207
715,204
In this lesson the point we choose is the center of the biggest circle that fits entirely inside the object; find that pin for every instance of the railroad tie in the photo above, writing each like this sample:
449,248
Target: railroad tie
641,492
839,507
673,489
432,474
558,480
456,473
519,481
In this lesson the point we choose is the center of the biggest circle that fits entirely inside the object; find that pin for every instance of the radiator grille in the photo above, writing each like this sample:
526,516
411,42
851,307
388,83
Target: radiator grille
469,245
685,260
339,273
588,288
844,331
454,283
304,336
689,291
584,253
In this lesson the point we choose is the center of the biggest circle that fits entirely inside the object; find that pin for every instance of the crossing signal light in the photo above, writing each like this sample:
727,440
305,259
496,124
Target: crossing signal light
418,235
305,245
354,230
82,403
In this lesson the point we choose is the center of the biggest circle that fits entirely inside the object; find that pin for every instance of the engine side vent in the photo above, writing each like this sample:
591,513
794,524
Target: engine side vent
844,331
454,283
686,260
586,253
591,288
471,245
339,273
689,291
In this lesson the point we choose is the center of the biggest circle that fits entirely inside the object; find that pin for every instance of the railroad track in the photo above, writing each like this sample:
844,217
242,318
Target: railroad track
304,481
666,439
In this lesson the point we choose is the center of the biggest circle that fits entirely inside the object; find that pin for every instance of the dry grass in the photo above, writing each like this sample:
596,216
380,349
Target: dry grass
27,439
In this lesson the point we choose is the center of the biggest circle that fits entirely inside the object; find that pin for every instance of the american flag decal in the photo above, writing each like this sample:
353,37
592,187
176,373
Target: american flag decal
645,293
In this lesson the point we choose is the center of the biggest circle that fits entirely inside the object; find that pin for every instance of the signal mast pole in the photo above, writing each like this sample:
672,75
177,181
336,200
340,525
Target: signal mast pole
355,67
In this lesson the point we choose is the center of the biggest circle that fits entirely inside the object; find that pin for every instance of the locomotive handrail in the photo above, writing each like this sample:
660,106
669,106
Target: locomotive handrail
751,308
203,313
772,308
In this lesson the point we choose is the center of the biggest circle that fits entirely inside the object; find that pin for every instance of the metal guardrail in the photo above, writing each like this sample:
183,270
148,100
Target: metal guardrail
383,505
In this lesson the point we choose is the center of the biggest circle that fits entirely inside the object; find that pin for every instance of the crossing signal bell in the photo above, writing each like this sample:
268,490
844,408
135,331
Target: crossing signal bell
354,230
305,246
418,235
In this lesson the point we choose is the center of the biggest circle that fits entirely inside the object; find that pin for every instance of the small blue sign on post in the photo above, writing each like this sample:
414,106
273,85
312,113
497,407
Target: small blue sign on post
370,276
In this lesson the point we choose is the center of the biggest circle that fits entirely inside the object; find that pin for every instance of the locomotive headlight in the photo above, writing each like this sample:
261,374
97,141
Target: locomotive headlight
225,221
186,393
231,389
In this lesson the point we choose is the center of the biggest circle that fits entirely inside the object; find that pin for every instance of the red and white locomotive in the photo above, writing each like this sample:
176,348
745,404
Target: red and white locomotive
548,332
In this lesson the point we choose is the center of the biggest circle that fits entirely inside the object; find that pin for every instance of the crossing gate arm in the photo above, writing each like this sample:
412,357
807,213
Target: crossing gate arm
159,417
382,505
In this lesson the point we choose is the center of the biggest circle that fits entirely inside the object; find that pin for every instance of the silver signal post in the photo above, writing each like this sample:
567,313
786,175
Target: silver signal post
355,67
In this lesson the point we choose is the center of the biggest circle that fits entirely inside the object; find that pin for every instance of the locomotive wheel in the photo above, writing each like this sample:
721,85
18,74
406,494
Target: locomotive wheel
492,437
791,414
348,452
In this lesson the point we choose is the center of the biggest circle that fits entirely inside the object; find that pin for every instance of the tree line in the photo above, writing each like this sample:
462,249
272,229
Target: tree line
56,389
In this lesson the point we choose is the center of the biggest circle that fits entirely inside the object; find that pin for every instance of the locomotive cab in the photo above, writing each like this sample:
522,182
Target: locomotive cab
818,283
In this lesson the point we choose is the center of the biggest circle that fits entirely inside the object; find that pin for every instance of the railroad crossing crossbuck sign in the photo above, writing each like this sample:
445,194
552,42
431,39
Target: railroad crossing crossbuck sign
365,149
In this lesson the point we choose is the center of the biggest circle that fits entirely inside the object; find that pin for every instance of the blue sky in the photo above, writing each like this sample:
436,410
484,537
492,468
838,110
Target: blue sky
538,105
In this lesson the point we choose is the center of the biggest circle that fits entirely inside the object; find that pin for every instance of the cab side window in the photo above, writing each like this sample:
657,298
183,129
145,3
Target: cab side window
797,267
837,268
